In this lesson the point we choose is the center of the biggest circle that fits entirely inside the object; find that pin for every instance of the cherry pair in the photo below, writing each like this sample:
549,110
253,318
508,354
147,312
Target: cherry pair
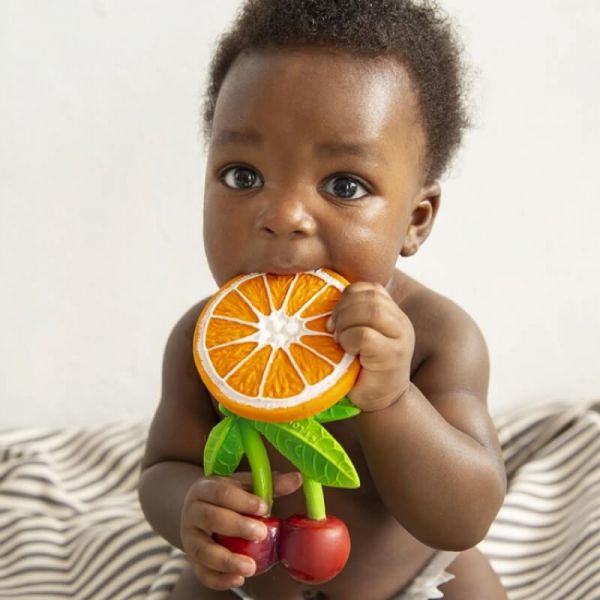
313,551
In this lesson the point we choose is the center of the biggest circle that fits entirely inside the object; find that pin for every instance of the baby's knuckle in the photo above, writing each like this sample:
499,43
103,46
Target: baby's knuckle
199,567
358,339
229,563
365,336
223,492
374,312
199,488
348,341
187,527
207,514
193,493
210,579
189,543
351,340
196,552
216,555
372,294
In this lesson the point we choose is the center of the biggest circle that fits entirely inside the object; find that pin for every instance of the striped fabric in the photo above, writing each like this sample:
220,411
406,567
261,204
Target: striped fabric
545,542
71,525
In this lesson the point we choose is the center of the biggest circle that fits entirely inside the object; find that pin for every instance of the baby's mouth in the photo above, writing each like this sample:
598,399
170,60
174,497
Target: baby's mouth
285,270
279,269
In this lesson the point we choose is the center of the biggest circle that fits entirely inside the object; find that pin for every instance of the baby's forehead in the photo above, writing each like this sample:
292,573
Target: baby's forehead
327,75
331,91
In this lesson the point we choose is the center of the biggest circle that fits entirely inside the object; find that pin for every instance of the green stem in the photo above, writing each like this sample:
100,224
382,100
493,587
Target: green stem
260,467
313,496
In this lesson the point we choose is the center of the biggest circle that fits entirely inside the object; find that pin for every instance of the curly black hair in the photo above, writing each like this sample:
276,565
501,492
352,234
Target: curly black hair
416,33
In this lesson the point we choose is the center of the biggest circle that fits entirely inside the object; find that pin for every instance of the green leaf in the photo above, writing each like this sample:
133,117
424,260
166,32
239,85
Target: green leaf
313,450
344,409
223,450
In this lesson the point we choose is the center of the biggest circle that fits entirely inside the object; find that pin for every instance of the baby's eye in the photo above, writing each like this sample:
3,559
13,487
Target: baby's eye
345,187
241,178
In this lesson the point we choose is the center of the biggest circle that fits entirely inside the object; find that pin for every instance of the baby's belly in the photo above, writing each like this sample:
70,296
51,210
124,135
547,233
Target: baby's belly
384,557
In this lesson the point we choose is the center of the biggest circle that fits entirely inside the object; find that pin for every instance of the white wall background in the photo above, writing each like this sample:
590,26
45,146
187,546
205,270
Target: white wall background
101,170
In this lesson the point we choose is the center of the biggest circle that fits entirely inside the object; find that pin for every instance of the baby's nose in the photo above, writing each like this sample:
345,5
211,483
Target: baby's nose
285,218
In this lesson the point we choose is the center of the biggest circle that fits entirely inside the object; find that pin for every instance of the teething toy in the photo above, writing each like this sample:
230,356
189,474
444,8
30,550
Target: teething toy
262,348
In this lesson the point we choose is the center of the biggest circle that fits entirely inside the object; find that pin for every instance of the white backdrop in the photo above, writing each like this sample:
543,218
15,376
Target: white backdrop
101,169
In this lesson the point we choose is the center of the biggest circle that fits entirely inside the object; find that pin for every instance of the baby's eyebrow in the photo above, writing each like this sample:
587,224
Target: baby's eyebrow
363,151
254,138
229,136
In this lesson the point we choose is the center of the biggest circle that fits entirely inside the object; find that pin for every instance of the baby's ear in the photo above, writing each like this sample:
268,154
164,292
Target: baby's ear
425,208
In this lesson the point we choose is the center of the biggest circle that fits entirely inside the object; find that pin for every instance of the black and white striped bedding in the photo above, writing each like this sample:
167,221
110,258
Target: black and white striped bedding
545,542
71,525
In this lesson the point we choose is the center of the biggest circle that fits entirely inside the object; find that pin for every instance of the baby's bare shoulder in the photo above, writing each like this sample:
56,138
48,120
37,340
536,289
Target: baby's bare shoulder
451,361
442,327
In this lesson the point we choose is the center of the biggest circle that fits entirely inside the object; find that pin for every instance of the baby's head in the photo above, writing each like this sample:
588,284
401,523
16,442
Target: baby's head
357,102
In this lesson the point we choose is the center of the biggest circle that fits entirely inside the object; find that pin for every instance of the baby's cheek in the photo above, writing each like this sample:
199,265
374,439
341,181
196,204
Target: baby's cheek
222,258
369,242
370,259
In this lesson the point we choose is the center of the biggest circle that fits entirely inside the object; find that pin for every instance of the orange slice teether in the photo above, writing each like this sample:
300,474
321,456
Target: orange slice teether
262,348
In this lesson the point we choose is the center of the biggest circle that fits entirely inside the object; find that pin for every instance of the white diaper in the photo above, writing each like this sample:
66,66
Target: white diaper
425,585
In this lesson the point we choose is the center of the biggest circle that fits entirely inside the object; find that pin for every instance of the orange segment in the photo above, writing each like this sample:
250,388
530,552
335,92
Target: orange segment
328,298
256,292
227,357
313,368
278,286
222,331
282,379
248,377
234,306
304,290
253,352
319,324
325,346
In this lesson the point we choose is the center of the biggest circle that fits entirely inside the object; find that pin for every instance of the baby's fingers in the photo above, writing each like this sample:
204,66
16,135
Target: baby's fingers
286,483
217,580
230,494
217,519
215,557
283,483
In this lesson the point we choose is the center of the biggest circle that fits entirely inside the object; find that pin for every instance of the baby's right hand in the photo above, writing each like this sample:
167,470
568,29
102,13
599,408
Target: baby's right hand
218,505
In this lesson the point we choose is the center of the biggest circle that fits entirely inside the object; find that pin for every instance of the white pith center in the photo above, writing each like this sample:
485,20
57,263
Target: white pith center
280,330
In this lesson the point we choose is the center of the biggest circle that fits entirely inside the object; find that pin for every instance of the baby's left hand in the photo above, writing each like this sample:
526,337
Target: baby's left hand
369,323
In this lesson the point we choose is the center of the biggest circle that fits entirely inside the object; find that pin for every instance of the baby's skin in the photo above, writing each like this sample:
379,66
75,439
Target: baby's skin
319,159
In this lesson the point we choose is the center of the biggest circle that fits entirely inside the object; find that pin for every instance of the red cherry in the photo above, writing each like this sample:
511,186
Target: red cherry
313,551
264,552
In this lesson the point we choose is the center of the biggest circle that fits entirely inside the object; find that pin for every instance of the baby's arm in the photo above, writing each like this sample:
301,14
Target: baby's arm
433,452
180,503
181,424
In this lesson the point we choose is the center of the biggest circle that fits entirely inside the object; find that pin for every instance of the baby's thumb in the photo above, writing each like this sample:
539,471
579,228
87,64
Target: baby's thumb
286,483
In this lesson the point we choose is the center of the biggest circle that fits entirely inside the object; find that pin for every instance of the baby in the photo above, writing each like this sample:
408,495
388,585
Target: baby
329,125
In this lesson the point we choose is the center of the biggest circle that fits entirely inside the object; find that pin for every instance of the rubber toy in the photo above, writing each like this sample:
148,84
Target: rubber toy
314,547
